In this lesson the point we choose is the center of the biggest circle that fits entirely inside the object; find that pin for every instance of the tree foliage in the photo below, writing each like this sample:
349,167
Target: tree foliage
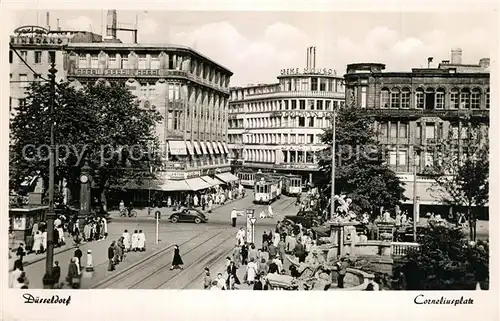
464,174
360,172
95,121
446,261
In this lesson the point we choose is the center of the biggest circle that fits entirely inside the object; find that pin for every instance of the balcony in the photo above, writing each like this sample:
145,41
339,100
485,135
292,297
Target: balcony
305,94
143,73
297,166
418,113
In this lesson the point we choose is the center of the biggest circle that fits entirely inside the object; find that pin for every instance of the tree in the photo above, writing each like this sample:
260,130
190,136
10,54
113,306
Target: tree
445,260
102,124
360,172
464,173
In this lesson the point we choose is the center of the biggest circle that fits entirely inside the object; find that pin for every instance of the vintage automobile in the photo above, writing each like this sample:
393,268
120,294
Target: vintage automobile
189,215
307,219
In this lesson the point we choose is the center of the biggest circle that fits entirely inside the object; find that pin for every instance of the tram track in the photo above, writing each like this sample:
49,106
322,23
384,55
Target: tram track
140,265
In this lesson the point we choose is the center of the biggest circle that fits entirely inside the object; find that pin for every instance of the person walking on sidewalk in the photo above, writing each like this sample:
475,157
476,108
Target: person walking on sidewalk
234,215
111,256
141,241
207,280
177,260
73,277
56,274
78,254
126,240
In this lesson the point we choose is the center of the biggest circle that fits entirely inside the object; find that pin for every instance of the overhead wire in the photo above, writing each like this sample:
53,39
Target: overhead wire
24,62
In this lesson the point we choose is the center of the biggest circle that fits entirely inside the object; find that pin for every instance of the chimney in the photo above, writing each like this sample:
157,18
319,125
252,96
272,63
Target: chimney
111,24
484,62
47,22
456,56
314,58
58,28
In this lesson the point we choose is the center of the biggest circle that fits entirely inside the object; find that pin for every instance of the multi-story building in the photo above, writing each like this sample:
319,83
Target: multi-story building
37,46
277,127
189,90
415,110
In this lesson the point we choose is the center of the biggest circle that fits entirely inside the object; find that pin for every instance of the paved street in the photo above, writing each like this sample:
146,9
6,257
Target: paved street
200,245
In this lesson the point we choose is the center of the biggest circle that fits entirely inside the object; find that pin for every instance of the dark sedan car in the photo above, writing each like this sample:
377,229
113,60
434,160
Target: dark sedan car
189,215
308,219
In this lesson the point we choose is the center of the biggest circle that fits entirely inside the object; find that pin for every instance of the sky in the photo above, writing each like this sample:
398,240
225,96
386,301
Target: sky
255,46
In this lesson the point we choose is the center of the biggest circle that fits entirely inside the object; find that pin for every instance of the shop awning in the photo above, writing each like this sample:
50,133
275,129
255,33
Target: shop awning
197,184
204,148
226,177
177,147
210,148
225,148
222,151
160,185
197,148
427,192
212,181
190,147
216,149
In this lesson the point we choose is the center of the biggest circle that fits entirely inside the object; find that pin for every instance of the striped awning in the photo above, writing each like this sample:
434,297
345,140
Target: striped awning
225,147
197,184
216,148
212,181
197,148
190,147
210,148
222,151
204,148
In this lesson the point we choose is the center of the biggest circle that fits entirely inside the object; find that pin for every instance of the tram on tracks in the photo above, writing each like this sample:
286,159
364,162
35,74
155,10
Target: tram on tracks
292,185
266,190
248,178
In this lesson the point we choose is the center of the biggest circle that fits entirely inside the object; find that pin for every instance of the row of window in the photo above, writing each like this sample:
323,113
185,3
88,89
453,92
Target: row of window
434,99
287,104
273,156
428,130
38,57
281,139
311,84
279,122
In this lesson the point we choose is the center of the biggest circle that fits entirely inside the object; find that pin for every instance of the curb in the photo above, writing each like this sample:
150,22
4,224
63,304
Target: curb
27,263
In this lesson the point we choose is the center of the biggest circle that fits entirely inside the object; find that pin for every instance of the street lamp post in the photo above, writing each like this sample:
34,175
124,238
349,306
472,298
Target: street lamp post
48,280
415,205
332,205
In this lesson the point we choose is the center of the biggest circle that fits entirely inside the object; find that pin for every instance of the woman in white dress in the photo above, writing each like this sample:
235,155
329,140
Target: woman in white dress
251,271
135,241
126,240
44,240
37,245
276,239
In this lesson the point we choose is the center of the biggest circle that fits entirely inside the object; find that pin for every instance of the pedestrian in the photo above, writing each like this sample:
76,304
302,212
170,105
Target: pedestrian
195,200
104,224
262,267
253,253
126,240
73,277
135,241
237,255
234,215
258,284
78,254
240,236
221,283
251,271
89,267
20,252
210,204
117,251
121,248
111,256
16,273
281,250
177,260
169,201
207,280
56,274
272,250
300,252
244,254
342,270
278,263
21,282
141,241
231,272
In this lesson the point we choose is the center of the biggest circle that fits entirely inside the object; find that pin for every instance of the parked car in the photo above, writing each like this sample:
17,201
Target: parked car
307,219
189,215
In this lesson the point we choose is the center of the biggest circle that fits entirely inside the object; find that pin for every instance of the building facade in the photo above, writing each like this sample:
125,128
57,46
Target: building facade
277,127
415,110
37,46
189,90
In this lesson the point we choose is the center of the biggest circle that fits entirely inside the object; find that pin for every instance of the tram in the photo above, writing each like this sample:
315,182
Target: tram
292,185
279,179
247,178
266,191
